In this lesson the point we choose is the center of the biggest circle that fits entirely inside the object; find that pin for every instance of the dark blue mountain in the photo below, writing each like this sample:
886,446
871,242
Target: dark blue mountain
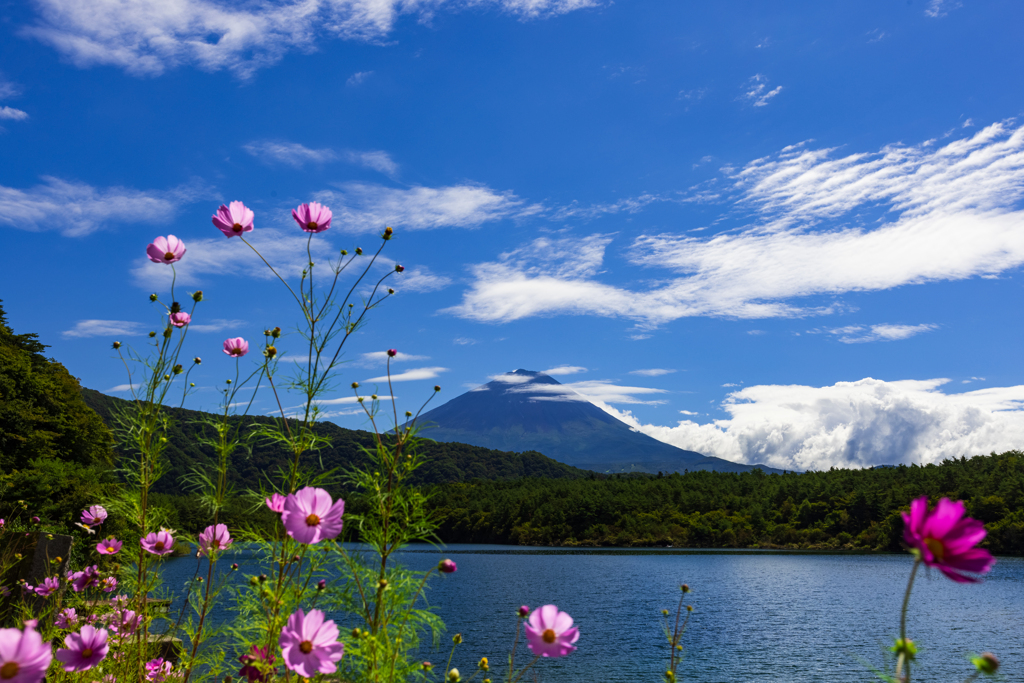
531,411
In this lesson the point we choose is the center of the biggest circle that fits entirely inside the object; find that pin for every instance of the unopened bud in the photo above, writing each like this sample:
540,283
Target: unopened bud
344,252
234,567
167,333
355,385
153,297
177,369
152,334
986,663
270,352
167,378
359,251
905,647
392,353
321,585
427,666
408,413
382,584
399,268
360,399
175,307
523,611
373,397
437,387
685,588
387,233
191,384
670,675
276,332
689,608
228,381
453,676
446,567
197,296
664,612
483,665
197,360
390,291
262,578
457,638
116,345
356,633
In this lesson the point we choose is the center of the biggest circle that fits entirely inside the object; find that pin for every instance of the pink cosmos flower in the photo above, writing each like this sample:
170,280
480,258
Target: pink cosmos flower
312,217
946,539
111,546
87,578
310,515
125,622
49,585
24,657
236,347
180,319
82,651
158,543
166,250
109,584
67,618
446,566
94,515
550,633
310,645
256,655
215,539
233,219
157,670
276,503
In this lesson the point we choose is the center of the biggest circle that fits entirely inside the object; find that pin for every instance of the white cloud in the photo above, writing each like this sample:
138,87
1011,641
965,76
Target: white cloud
688,412
940,8
511,378
358,77
298,155
8,89
730,384
77,209
347,400
377,160
858,334
464,341
214,325
565,370
652,372
599,392
104,328
757,92
410,375
12,114
948,213
853,424
382,357
362,207
147,37
120,387
420,279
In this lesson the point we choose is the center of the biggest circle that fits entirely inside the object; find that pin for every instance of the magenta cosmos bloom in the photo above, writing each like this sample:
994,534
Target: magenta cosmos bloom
234,219
166,250
236,347
94,515
550,633
180,319
47,588
214,539
276,502
310,645
82,651
310,516
110,546
24,657
258,664
446,566
946,539
158,543
312,217
157,670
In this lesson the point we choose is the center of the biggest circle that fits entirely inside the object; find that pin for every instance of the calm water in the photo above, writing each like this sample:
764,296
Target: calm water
759,616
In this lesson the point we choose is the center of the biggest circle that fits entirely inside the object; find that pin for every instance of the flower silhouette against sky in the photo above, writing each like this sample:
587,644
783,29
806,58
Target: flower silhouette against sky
166,250
234,219
312,217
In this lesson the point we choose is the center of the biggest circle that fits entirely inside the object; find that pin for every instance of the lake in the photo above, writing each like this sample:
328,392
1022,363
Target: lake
759,615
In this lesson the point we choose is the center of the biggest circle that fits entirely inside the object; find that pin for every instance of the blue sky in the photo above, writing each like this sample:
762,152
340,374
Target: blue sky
786,233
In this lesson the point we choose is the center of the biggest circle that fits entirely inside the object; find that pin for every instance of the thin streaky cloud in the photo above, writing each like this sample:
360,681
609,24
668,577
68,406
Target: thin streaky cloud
410,375
757,91
216,325
860,334
593,391
8,89
565,370
652,372
297,155
382,357
358,77
119,388
12,114
84,329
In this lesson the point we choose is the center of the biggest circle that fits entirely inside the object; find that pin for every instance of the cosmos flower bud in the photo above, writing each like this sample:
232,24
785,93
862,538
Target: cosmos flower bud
670,675
117,345
427,666
153,297
454,676
689,608
177,369
390,291
355,385
408,413
197,296
197,360
167,333
344,252
382,584
446,567
276,332
270,352
523,611
664,612
357,634
986,663
457,638
360,399
359,251
234,567
321,585
152,334
905,647
388,232
392,353
175,307
437,387
685,588
167,378
373,397
399,268
483,665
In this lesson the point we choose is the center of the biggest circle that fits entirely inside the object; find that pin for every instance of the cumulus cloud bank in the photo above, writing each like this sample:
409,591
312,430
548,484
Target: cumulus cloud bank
852,424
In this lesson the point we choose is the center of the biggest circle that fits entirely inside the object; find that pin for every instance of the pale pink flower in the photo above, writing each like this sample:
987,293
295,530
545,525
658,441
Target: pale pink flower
24,657
234,219
236,347
310,515
82,651
550,633
312,217
109,584
158,543
166,250
67,618
111,546
944,538
94,515
180,319
125,621
49,585
310,645
214,539
276,502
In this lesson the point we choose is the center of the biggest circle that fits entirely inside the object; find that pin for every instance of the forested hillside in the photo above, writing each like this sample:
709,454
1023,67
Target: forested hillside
835,509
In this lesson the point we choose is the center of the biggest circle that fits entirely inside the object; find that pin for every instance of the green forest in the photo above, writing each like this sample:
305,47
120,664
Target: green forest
57,456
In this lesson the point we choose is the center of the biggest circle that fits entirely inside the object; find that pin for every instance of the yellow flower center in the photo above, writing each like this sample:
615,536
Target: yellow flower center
935,545
87,652
169,256
549,636
110,549
312,225
312,520
9,670
159,545
236,227
306,647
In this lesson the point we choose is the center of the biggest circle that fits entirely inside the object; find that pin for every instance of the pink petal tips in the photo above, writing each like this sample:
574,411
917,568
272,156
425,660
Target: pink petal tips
550,633
312,217
945,539
234,219
158,543
309,644
214,539
24,657
166,250
180,319
310,516
82,651
236,347
94,515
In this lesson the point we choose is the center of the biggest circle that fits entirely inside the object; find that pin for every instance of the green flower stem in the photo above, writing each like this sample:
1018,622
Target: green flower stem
903,661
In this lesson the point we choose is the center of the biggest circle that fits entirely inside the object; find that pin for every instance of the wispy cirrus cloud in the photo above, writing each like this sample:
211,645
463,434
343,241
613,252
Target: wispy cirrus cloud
757,91
853,424
148,37
364,207
652,372
599,392
12,114
297,155
565,370
76,209
411,375
357,78
377,357
859,334
821,225
84,329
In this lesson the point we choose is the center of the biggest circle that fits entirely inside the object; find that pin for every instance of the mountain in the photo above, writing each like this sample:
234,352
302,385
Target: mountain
531,411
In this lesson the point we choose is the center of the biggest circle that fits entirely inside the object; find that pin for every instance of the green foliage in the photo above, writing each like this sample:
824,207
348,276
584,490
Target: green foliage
851,509
54,450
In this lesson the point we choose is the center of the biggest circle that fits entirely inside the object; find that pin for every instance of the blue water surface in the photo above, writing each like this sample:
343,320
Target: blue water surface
759,615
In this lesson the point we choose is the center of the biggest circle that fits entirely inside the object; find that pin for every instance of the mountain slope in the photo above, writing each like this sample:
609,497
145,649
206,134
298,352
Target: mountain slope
527,410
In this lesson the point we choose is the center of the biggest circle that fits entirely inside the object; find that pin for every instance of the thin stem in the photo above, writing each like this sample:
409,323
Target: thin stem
903,661
272,270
